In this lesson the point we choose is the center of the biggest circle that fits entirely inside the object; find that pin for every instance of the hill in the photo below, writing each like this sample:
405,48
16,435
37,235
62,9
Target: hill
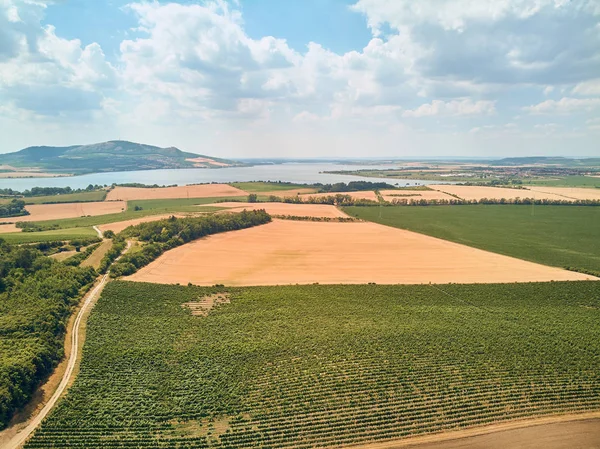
543,160
114,155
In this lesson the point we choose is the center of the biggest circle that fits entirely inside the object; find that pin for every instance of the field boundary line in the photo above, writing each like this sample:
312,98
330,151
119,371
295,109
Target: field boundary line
476,431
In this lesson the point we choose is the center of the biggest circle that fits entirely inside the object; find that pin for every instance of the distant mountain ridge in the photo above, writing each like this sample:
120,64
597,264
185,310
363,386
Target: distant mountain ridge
114,155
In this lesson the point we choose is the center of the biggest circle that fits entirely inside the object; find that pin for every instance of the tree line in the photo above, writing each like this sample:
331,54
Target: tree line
15,208
37,295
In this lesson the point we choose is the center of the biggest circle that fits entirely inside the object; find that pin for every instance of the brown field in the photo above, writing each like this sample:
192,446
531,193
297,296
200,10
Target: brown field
8,227
479,192
198,191
96,257
290,252
299,210
391,195
569,192
366,195
41,212
552,432
120,225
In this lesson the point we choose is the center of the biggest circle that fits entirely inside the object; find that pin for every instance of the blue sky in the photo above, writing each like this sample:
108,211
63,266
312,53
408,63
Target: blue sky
304,77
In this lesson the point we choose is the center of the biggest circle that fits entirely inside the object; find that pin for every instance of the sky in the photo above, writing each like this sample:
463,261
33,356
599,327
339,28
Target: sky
305,78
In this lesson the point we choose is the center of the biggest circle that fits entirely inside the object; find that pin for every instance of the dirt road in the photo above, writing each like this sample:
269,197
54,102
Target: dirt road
20,438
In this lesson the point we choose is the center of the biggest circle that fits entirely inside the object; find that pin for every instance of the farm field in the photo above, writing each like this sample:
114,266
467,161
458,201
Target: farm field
192,191
271,188
290,252
120,225
299,210
552,235
569,192
46,212
96,257
479,192
316,365
361,195
97,195
48,236
391,195
567,181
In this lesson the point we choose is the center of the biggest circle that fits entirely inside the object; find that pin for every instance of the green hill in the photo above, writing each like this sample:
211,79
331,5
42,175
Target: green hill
115,155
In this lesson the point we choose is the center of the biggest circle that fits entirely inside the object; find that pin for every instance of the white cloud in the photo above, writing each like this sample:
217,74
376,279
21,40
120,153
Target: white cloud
452,108
588,88
44,73
565,105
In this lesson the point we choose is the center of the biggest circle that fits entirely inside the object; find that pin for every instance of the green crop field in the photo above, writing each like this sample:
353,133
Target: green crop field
97,195
313,366
552,235
48,236
257,187
567,181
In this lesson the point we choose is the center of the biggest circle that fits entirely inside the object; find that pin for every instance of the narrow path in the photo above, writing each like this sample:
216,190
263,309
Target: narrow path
20,438
98,231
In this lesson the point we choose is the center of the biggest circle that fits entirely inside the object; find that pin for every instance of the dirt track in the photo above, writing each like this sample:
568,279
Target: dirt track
23,434
290,252
198,191
580,431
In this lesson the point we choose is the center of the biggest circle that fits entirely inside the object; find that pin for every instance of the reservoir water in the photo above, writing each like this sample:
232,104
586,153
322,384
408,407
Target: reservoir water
302,173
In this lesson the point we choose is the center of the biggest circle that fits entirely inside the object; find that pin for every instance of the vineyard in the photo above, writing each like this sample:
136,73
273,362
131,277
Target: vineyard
313,366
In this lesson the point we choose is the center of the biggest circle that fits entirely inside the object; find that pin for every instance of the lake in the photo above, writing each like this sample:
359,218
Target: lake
302,173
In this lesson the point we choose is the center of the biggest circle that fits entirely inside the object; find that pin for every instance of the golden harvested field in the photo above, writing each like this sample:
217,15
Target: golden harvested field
41,212
366,195
198,191
479,192
391,195
299,210
569,192
8,227
120,225
290,252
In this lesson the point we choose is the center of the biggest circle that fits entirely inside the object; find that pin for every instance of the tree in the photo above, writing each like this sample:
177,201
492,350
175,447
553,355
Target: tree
253,198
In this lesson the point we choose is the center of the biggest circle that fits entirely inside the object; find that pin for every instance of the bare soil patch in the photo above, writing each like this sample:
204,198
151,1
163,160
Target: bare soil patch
391,195
479,192
366,195
569,192
204,305
299,210
553,432
290,252
63,255
198,191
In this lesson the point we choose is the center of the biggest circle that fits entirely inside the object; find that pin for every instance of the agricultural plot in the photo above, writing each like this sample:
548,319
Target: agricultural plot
416,195
48,236
45,212
193,191
562,236
363,195
497,193
96,195
315,366
298,210
290,252
569,192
